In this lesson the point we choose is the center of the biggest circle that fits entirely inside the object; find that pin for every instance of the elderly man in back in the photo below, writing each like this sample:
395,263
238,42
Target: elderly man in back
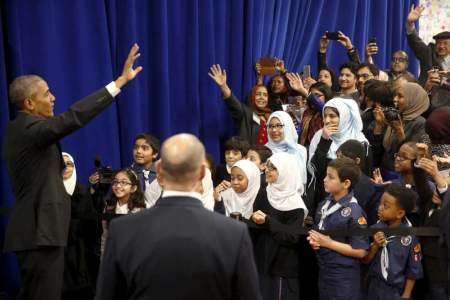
178,249
434,60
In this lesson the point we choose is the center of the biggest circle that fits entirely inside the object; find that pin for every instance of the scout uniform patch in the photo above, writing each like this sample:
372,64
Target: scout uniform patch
345,212
362,221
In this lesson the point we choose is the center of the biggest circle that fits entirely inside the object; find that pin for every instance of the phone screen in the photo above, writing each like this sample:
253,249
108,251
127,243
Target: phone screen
307,71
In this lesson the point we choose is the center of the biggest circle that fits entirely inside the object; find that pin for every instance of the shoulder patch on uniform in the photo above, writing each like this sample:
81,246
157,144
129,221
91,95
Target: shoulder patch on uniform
417,248
406,240
362,221
346,211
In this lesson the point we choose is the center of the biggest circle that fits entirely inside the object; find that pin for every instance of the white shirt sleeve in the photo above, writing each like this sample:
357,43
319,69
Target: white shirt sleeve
112,89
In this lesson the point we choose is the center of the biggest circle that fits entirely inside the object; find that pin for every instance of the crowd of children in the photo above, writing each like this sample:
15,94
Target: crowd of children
321,155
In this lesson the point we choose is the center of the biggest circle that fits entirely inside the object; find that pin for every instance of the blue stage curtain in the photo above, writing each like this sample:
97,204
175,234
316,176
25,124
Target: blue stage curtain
79,46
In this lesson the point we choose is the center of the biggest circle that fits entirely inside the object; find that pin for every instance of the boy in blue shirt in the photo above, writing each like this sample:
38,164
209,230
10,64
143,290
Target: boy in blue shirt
395,260
338,258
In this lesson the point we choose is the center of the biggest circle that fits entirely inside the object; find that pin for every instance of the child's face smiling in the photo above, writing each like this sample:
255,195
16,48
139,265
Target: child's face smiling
122,186
388,210
239,181
276,130
232,156
143,153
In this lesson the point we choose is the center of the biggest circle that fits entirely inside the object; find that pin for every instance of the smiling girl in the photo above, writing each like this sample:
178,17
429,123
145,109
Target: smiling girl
127,198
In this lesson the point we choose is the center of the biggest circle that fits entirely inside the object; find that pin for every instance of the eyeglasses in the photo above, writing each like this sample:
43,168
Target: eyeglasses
275,126
121,183
401,158
399,59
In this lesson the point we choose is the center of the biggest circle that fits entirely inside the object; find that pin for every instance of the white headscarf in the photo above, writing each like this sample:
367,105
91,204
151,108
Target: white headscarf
350,126
285,193
243,202
71,182
290,142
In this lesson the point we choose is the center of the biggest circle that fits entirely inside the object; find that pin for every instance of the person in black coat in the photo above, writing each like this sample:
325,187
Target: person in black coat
250,120
276,251
80,261
40,218
177,249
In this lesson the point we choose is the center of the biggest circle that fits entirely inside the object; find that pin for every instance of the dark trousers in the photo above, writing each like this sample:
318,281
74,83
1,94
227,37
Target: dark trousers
41,270
279,288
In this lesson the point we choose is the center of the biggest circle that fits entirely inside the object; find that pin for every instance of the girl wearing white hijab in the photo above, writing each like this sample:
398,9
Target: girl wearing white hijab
284,138
69,174
245,184
276,252
342,122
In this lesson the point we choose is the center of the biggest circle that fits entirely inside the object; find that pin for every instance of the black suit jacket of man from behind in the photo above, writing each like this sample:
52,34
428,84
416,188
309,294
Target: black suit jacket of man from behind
178,250
41,213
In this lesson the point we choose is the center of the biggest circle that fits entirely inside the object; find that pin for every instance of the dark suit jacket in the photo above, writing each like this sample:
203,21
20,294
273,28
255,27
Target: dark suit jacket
41,214
177,250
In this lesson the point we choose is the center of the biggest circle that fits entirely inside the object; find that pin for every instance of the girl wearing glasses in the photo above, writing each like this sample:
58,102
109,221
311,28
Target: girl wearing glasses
126,198
283,138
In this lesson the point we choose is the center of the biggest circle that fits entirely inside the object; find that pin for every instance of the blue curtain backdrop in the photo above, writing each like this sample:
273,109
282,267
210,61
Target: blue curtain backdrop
78,46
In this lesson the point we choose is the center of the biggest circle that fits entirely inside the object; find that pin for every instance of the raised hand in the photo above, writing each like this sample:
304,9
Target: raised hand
129,72
295,81
415,13
376,177
371,49
345,41
218,75
429,166
308,82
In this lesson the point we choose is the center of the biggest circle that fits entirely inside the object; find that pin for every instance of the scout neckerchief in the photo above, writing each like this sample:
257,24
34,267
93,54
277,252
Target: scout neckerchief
326,210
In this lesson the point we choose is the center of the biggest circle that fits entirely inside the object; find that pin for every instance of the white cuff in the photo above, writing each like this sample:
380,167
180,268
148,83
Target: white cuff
443,189
112,89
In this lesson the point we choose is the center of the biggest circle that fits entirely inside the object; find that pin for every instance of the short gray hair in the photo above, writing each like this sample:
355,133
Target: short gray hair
23,87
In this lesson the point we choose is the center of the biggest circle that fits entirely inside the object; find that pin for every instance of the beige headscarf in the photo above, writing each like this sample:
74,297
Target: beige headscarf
416,103
416,99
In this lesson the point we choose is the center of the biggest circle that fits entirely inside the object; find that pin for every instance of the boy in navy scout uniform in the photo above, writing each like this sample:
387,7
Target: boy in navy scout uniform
395,260
338,259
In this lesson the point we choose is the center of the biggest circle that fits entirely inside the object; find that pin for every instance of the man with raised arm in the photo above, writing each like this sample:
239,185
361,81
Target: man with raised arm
39,224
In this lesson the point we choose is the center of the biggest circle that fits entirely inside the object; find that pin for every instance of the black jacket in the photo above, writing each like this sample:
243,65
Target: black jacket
177,250
41,214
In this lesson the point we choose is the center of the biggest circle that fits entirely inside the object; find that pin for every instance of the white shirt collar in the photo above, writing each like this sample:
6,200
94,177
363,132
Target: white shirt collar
166,194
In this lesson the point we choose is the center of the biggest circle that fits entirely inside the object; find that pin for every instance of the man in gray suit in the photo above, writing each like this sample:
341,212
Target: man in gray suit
40,218
178,249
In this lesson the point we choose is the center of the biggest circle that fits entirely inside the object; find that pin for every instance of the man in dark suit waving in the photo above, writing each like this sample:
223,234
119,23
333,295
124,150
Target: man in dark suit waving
39,223
178,249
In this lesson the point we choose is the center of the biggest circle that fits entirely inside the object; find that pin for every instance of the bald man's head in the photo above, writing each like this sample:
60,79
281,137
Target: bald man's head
182,160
